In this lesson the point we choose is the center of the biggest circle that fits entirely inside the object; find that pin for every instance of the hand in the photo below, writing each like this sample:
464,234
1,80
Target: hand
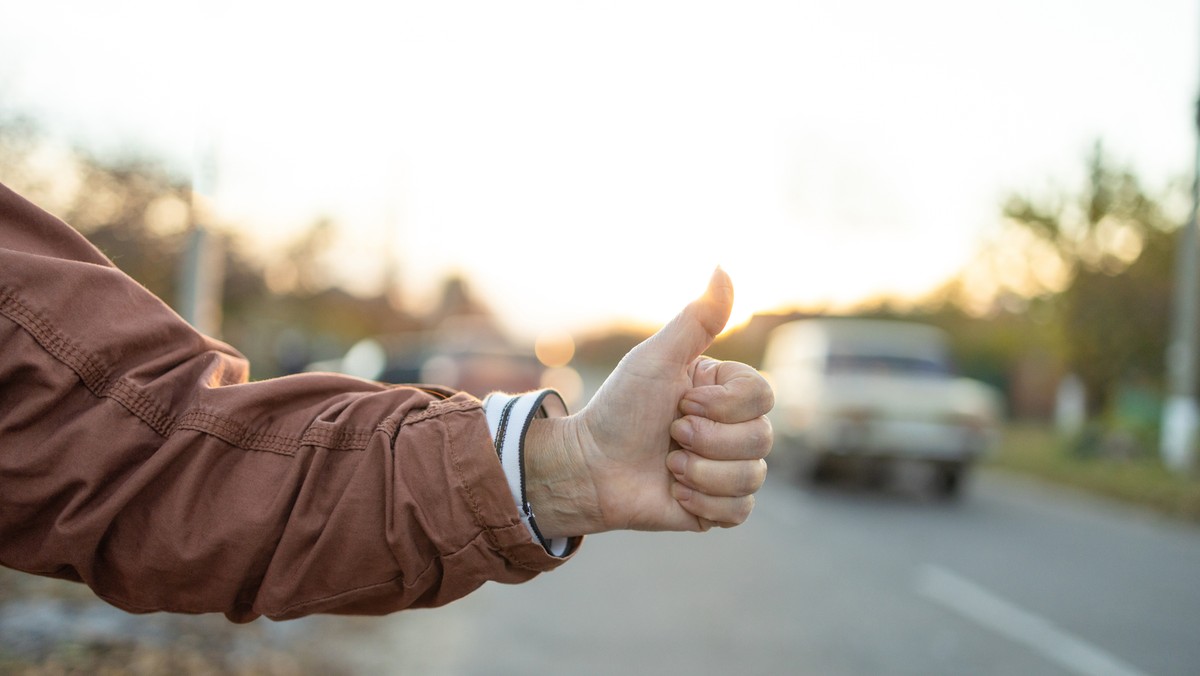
671,441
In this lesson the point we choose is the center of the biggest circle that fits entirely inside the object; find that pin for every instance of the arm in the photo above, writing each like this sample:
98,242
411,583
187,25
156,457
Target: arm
135,457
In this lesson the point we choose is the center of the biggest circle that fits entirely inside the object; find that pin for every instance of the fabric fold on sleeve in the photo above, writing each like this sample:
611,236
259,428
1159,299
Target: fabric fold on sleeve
135,456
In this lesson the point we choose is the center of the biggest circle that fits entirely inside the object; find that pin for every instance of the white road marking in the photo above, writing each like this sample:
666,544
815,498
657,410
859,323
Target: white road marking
976,603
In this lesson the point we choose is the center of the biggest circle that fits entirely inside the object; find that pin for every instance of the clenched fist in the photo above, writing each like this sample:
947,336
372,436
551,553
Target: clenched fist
672,440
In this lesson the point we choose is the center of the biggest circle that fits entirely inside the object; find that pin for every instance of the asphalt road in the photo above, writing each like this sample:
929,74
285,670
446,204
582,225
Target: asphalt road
1017,578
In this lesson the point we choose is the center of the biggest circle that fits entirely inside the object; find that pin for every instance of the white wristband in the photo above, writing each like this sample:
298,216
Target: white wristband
508,418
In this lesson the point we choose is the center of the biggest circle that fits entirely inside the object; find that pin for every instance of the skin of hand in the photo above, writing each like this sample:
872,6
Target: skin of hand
671,441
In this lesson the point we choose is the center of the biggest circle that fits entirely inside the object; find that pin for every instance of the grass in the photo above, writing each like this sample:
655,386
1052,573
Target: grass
1140,480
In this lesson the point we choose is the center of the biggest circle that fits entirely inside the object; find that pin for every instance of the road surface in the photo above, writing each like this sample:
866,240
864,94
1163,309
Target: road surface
1017,578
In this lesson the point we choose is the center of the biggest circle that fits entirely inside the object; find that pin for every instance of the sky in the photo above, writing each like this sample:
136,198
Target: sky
583,163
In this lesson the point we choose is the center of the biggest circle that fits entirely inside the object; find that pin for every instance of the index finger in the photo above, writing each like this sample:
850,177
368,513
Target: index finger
731,392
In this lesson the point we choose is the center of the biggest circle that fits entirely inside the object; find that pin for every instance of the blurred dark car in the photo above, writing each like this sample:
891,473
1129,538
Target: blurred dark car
477,364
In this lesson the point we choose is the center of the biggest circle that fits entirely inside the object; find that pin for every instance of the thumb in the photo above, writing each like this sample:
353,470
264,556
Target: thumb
690,333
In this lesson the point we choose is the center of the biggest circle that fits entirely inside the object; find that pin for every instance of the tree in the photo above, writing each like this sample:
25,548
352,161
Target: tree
137,212
1116,244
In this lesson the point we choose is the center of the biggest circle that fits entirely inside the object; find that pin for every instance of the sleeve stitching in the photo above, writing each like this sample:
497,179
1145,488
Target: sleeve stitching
242,436
94,373
90,369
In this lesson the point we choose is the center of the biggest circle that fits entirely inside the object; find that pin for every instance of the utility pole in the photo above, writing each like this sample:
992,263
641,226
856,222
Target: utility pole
1181,415
202,275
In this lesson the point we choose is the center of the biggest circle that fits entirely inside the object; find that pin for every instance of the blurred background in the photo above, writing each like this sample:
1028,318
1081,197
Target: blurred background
507,195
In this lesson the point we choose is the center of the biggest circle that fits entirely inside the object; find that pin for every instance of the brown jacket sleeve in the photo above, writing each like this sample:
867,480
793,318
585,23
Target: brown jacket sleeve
135,457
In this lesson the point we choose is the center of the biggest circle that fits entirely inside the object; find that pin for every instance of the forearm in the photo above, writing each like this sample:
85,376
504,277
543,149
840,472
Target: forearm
343,501
561,490
133,456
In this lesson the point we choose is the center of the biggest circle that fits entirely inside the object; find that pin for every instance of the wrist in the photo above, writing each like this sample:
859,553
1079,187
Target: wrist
558,484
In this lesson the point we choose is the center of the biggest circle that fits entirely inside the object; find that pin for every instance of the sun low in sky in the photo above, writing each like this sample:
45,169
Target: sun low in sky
583,163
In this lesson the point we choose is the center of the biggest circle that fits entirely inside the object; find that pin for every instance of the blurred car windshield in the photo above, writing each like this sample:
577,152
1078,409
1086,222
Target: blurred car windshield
885,364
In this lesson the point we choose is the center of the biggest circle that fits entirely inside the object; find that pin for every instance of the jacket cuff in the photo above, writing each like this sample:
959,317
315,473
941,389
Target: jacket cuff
508,419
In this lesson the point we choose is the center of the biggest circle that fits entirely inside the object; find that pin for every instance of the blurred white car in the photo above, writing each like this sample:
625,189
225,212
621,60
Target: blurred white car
875,391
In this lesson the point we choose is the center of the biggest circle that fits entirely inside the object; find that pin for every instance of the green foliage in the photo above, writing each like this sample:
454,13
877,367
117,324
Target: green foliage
1118,245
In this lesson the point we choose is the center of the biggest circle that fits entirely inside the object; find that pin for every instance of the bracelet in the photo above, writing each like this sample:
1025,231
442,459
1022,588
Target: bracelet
508,419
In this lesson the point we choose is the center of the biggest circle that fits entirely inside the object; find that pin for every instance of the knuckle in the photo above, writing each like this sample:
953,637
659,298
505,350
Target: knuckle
761,436
742,510
752,477
766,398
760,475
